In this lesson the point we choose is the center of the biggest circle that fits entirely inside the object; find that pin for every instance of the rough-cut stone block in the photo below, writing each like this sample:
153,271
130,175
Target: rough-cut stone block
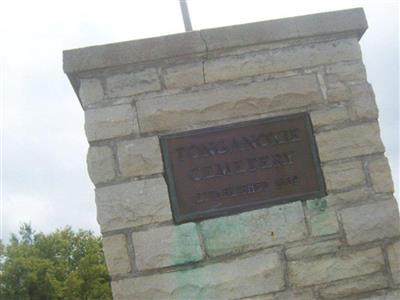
346,198
323,270
109,122
116,254
329,116
243,277
100,164
140,157
323,218
132,204
319,248
166,246
349,142
121,85
336,91
394,261
224,102
354,286
324,223
343,175
382,295
254,229
372,221
363,105
347,71
124,53
90,92
288,295
184,75
352,21
392,295
381,178
281,59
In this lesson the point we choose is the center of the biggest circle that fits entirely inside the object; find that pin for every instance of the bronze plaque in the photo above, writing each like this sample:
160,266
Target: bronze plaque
229,169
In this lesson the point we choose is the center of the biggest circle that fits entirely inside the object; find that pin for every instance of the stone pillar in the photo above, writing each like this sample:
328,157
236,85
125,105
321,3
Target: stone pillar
342,245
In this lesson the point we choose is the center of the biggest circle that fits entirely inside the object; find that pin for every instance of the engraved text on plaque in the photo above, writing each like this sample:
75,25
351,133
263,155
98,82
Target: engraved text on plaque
228,169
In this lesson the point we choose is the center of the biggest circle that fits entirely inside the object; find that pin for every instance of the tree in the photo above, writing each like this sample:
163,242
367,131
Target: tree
61,265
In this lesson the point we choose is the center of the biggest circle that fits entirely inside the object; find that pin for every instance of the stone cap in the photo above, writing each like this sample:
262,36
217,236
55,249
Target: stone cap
351,21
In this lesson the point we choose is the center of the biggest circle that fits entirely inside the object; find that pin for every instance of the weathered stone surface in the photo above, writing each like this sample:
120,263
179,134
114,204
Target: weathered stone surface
351,21
343,175
117,54
324,223
319,248
116,254
382,295
363,106
281,59
140,157
337,91
166,246
129,84
132,204
347,71
381,178
329,116
394,261
242,277
305,273
354,286
323,218
90,92
184,75
109,122
100,164
288,295
254,229
346,198
349,142
217,103
372,221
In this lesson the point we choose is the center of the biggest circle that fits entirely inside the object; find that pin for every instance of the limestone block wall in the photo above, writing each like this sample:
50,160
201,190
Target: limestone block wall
345,245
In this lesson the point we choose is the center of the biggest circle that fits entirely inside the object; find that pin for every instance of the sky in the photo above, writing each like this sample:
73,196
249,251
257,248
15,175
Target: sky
43,147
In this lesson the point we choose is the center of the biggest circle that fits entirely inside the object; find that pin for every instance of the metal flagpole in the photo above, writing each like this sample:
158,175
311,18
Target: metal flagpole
185,15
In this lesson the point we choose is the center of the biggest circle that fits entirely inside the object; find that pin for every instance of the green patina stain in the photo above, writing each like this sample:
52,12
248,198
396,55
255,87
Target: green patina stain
191,284
185,248
221,236
323,219
186,245
318,205
231,234
324,223
250,229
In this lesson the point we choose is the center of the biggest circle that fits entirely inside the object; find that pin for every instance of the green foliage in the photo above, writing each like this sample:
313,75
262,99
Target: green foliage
61,265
